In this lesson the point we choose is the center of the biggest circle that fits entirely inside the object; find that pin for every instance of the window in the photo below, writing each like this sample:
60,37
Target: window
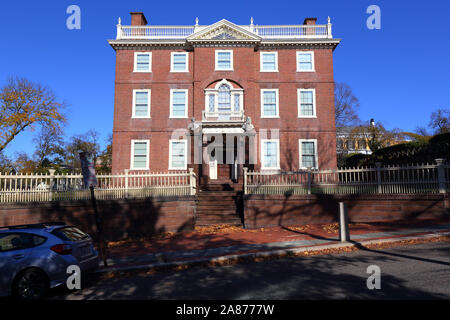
237,102
178,103
305,61
139,154
141,103
224,60
224,99
177,155
211,102
269,62
19,241
362,144
306,103
179,62
142,62
70,234
308,153
351,145
269,103
270,154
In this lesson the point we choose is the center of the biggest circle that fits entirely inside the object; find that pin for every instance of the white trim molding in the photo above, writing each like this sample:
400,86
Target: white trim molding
299,102
316,156
261,54
149,99
277,103
186,99
149,61
263,141
147,159
313,68
184,141
186,57
216,60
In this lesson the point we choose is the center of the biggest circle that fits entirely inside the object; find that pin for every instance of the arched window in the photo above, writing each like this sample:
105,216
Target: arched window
224,98
224,102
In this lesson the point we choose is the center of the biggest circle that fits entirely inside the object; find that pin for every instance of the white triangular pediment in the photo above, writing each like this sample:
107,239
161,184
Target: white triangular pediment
224,30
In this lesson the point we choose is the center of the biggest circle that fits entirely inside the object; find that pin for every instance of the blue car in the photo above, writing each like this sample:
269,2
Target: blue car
34,258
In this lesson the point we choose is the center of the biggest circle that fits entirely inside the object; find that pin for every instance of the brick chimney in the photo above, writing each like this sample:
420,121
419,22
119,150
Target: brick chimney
138,19
309,21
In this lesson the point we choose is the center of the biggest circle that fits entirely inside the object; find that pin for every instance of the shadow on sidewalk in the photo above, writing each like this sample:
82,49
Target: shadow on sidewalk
363,248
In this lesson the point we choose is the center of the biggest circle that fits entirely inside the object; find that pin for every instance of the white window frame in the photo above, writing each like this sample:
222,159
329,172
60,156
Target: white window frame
170,154
277,105
149,95
147,162
261,54
312,61
186,55
186,91
216,60
215,92
300,153
149,61
299,102
263,167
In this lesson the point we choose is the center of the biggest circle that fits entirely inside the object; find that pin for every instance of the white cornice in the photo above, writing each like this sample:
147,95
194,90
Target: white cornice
260,44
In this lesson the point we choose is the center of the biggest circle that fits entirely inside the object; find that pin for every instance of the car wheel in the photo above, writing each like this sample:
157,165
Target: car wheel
31,284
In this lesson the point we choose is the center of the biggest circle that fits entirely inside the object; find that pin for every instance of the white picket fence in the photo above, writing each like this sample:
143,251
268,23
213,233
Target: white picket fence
48,187
409,179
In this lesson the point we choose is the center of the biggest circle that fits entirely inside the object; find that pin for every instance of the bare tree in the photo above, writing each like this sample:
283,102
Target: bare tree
440,121
87,142
49,145
6,164
346,106
105,158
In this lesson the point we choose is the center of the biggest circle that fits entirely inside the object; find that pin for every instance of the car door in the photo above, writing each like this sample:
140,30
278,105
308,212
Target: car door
15,248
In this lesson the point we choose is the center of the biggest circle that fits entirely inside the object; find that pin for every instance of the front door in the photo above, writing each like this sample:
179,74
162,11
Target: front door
213,169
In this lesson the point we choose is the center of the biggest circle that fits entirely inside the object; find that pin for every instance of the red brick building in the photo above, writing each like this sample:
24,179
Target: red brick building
222,97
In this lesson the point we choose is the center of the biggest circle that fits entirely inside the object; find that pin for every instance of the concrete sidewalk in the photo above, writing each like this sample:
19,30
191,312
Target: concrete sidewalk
265,242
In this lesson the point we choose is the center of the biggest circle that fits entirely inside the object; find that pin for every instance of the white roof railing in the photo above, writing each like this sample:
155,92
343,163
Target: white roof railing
265,32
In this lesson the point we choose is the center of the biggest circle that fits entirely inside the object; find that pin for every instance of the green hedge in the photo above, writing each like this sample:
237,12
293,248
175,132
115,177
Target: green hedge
406,153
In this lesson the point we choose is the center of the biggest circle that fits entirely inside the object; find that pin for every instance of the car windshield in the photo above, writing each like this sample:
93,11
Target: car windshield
70,234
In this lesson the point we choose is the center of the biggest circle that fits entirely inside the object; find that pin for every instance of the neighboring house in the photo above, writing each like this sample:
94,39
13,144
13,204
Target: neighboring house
265,90
348,142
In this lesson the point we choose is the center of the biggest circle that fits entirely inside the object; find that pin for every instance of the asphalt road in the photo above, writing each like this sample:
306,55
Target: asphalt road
408,272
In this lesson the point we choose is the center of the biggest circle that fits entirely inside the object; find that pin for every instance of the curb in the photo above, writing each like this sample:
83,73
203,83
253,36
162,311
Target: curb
268,254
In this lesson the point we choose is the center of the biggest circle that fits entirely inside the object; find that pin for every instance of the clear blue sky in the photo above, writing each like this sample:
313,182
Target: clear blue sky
399,73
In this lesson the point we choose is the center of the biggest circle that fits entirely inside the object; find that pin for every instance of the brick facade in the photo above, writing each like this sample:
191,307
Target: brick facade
246,74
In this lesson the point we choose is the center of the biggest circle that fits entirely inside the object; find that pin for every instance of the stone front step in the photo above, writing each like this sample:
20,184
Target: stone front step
217,204
221,185
215,221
